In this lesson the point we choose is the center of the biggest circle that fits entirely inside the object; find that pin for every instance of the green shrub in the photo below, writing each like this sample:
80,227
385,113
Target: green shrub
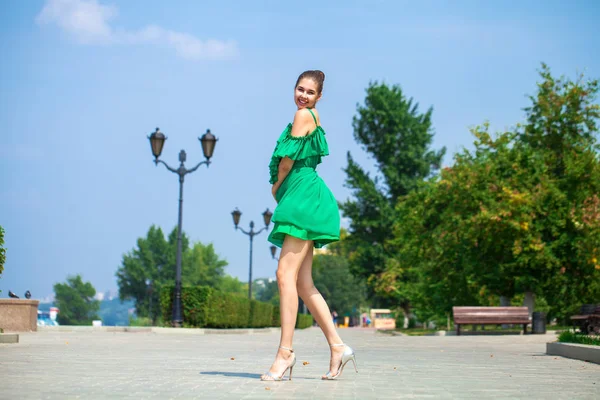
276,316
205,307
140,321
261,314
572,337
227,310
304,321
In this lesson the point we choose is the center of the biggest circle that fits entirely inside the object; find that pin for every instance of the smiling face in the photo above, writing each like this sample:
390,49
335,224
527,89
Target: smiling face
306,93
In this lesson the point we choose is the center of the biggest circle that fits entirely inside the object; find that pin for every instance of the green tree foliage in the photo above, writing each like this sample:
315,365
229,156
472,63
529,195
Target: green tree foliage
152,264
398,137
343,292
519,213
202,266
230,284
266,291
75,300
2,250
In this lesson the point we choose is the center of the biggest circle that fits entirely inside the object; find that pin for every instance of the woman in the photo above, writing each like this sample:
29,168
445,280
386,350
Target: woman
306,216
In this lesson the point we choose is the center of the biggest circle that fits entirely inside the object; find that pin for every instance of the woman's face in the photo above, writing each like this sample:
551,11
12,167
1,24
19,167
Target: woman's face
306,94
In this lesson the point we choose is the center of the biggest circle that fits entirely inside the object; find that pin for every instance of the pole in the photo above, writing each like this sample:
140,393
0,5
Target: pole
177,317
250,269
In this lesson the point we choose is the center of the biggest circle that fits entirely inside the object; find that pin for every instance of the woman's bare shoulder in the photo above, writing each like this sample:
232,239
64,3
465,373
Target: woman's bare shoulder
302,122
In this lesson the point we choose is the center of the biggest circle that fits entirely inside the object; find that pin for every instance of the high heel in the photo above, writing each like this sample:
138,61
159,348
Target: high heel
348,355
270,377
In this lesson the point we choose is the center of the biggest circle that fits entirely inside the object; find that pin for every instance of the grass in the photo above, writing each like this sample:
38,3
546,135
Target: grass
417,331
572,337
469,328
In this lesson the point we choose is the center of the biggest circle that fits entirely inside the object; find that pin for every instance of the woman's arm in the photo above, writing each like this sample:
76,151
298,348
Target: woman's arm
285,166
300,127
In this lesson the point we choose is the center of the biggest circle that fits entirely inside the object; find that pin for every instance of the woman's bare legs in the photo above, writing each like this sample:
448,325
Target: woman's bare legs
293,251
319,310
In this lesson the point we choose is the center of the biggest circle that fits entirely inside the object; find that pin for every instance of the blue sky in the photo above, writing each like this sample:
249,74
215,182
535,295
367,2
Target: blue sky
82,84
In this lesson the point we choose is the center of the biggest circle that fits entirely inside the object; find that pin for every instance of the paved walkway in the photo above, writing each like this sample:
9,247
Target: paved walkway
106,365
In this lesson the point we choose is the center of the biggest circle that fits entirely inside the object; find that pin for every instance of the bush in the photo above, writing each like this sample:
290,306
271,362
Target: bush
140,321
572,337
205,307
276,316
304,321
261,314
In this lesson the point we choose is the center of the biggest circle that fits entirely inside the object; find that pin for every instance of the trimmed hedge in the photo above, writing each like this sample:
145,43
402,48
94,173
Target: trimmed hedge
304,321
261,314
205,307
276,316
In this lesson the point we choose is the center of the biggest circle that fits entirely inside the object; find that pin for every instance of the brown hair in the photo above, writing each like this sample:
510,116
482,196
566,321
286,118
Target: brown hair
315,75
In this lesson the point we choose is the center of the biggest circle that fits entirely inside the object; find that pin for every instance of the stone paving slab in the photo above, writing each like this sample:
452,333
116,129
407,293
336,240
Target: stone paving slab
117,365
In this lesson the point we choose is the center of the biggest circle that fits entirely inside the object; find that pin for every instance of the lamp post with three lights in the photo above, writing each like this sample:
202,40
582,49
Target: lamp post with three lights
236,214
157,141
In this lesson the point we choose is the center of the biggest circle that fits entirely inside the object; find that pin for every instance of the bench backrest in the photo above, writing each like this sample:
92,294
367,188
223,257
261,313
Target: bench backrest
491,315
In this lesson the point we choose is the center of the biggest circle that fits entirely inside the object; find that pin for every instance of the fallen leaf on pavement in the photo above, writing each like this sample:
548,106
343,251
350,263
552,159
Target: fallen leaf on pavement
305,363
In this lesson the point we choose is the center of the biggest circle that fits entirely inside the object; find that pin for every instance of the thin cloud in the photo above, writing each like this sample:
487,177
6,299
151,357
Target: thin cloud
89,22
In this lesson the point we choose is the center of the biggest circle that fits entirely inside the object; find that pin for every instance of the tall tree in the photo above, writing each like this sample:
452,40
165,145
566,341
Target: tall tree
145,269
344,292
75,300
515,215
391,129
203,266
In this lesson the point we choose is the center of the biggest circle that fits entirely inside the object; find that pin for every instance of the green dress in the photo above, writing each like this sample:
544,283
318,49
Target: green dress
306,208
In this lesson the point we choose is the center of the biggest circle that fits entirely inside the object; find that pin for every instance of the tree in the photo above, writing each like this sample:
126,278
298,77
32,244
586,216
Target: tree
2,251
230,284
343,292
392,130
203,266
75,300
147,268
267,291
331,273
518,214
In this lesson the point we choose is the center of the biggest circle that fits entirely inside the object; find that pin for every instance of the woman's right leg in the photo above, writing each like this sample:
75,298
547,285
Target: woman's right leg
320,311
294,250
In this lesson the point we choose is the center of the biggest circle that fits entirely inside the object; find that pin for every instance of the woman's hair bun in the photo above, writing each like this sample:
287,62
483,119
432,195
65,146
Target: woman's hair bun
316,75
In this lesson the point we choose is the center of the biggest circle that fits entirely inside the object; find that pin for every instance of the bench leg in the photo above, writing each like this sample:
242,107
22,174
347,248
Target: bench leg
457,330
524,329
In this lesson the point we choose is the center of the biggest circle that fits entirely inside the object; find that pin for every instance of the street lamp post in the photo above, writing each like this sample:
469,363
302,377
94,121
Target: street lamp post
236,214
301,304
149,286
157,141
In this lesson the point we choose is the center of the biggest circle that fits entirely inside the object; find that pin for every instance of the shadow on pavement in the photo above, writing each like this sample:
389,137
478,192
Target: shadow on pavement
235,374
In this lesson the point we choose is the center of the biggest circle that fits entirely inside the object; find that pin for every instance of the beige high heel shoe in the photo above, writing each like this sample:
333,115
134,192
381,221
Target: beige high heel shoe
347,356
270,377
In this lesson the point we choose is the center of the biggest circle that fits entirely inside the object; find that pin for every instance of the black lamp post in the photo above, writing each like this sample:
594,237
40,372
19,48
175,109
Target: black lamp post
236,214
149,289
157,141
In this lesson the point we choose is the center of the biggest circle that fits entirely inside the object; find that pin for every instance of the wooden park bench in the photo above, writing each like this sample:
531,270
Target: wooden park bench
490,316
583,319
